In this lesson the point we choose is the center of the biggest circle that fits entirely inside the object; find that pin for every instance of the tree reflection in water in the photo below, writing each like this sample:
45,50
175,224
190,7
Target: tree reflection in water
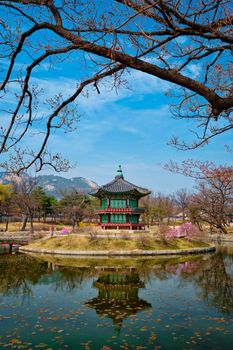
212,274
215,281
18,273
118,289
72,277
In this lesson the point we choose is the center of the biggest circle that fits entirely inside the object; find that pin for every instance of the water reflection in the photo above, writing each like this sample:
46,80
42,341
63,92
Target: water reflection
215,281
168,303
118,295
18,273
71,278
119,284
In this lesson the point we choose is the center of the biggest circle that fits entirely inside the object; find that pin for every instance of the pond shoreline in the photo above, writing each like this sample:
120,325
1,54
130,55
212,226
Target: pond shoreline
138,252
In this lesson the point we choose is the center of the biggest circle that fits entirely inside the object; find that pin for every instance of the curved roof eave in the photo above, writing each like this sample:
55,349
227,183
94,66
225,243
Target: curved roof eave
120,186
100,192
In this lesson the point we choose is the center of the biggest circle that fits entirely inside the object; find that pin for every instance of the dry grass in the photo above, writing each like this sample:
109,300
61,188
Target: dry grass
38,226
84,227
74,242
230,229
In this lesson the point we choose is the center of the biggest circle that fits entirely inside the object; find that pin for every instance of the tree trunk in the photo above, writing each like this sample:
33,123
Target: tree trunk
44,218
73,223
7,223
31,224
24,224
183,216
223,229
199,225
168,220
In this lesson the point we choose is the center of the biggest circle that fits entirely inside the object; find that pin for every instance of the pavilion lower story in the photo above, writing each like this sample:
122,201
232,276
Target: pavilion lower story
117,220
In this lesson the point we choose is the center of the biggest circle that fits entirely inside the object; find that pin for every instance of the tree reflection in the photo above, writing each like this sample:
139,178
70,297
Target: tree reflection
182,267
118,287
72,277
212,274
215,281
18,273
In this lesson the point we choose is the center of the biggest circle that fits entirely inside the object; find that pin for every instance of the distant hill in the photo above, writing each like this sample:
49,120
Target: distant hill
56,186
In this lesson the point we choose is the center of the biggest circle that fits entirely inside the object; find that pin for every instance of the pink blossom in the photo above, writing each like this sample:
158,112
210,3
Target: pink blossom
65,231
188,267
187,230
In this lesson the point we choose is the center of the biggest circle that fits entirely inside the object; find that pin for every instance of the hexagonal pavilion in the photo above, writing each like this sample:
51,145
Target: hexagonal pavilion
119,204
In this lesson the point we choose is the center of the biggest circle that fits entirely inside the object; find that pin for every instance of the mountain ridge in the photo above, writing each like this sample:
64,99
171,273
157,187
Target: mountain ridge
55,185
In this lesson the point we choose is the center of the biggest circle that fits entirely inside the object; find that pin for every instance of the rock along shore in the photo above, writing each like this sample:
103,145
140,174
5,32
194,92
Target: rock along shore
209,249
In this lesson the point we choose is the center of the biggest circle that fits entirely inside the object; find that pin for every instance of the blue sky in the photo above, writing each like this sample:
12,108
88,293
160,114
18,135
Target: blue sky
131,127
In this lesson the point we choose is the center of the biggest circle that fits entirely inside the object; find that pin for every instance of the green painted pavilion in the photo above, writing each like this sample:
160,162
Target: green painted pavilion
120,204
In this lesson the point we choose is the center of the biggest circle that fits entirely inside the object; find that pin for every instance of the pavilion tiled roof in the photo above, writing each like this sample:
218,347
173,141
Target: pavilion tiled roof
120,185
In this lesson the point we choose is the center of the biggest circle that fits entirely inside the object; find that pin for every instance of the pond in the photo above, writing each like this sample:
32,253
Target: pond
49,302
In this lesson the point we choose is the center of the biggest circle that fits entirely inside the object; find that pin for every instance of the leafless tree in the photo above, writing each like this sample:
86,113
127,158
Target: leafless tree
182,201
157,208
187,43
25,199
213,200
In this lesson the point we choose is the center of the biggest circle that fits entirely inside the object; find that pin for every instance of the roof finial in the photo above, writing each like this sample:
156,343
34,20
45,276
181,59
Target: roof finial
119,173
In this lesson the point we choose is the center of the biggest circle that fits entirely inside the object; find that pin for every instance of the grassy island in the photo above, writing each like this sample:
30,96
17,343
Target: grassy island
77,243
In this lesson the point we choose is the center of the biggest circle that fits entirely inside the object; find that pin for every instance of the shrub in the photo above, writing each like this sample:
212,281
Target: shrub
143,242
162,233
93,239
125,236
65,231
187,230
70,241
58,242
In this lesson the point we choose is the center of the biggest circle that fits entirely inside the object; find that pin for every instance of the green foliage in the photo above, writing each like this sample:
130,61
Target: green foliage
5,193
75,207
6,197
75,199
46,203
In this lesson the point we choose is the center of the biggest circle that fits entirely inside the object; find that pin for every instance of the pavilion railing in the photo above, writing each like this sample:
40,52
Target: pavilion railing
120,210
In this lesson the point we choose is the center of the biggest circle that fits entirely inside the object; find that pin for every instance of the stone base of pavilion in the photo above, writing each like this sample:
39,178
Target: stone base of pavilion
121,227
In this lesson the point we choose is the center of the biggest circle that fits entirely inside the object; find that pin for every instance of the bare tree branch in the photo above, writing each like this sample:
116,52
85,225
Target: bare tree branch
166,39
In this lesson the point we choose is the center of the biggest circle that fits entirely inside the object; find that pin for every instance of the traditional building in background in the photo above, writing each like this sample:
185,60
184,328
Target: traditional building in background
119,204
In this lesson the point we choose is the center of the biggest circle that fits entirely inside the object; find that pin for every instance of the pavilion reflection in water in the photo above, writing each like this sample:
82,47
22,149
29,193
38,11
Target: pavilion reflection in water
118,295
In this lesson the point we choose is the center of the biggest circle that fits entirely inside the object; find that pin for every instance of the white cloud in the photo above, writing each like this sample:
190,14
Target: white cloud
143,174
194,69
132,130
139,84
